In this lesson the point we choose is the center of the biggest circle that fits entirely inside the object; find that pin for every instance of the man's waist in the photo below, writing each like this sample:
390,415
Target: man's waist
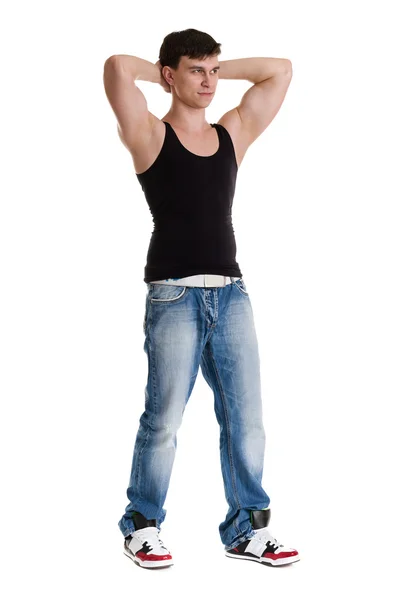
201,280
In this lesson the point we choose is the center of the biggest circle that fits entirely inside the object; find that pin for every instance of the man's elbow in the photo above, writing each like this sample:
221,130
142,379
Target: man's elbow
288,66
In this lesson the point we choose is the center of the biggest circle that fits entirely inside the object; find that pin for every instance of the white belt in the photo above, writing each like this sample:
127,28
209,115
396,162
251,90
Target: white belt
207,280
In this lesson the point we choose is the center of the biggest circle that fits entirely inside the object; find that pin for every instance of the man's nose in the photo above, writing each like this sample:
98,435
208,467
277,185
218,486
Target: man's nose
206,80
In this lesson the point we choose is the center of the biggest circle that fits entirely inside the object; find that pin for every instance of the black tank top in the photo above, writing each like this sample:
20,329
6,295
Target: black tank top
190,198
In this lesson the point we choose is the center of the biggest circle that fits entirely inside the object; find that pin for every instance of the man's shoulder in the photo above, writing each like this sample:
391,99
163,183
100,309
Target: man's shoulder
232,122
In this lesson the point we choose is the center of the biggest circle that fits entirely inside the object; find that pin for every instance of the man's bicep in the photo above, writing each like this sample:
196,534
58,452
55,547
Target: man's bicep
128,103
261,103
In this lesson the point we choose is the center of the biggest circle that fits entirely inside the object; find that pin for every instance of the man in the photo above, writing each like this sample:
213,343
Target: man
198,310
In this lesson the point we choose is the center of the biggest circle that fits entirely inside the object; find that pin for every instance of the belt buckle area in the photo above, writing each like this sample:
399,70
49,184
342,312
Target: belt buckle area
211,280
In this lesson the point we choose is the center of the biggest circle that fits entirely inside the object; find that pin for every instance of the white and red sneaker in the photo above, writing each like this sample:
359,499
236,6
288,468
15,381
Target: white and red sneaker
262,547
144,546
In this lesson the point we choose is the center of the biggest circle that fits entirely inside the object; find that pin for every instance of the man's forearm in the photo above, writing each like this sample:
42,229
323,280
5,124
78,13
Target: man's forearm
138,67
253,69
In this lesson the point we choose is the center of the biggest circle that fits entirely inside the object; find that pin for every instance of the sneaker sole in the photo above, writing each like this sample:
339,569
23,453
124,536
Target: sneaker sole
279,562
149,565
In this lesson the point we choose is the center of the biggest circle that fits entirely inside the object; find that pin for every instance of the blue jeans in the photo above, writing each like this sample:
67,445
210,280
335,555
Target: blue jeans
212,327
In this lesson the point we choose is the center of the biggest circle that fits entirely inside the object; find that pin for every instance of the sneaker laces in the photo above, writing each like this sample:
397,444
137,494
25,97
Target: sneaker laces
263,535
150,535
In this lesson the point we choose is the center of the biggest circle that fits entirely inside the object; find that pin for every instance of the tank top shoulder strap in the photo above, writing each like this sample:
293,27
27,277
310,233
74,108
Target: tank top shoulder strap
224,133
171,140
226,141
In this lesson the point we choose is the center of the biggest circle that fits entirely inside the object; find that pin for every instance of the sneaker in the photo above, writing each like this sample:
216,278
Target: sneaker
262,547
144,546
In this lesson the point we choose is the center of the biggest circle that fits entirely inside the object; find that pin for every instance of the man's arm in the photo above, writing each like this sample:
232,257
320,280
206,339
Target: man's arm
129,104
260,104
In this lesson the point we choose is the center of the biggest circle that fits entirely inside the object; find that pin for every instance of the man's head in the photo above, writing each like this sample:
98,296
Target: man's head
190,65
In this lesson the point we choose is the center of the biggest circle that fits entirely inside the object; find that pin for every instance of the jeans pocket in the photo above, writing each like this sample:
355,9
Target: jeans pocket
240,284
162,293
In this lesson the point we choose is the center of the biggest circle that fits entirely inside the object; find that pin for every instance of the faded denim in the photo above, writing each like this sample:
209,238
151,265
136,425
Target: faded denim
187,327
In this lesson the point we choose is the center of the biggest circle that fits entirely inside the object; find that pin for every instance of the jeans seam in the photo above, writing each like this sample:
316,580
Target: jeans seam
138,474
228,432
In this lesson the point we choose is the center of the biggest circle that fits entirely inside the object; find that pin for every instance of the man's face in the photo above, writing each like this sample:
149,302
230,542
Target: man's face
196,80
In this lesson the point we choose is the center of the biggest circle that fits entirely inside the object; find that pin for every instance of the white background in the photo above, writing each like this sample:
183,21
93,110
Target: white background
316,217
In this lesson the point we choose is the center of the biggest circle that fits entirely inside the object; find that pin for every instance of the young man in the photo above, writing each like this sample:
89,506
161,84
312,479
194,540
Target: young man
198,310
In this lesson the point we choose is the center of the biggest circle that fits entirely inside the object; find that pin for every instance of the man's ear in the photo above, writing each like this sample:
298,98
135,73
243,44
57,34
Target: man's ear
167,74
165,71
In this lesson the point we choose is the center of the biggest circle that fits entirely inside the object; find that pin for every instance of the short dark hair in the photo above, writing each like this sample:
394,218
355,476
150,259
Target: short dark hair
189,42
